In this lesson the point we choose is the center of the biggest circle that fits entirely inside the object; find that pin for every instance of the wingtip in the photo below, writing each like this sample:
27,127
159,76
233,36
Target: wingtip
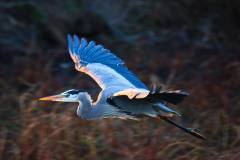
70,43
69,38
75,37
69,35
83,40
76,43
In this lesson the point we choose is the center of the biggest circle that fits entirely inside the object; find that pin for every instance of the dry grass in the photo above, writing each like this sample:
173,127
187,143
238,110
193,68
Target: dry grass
35,63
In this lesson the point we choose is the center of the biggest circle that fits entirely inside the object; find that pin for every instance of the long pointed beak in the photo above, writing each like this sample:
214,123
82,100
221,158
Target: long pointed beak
52,98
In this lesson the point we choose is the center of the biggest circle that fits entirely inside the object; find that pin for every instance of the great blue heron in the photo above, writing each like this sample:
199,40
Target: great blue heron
123,95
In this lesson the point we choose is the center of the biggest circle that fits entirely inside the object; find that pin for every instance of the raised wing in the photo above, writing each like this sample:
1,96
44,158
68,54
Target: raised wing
102,65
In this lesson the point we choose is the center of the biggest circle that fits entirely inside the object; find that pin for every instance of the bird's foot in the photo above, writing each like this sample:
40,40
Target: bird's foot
195,132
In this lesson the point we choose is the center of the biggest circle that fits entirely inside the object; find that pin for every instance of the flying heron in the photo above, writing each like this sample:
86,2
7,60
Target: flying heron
123,95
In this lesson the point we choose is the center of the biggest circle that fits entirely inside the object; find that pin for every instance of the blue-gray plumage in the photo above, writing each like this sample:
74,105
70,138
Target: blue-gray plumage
123,95
92,53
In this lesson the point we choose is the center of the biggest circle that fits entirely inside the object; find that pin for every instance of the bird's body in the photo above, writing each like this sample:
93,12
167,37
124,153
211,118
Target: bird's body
123,95
117,107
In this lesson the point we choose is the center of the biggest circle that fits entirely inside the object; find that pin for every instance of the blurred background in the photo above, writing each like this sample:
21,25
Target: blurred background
190,45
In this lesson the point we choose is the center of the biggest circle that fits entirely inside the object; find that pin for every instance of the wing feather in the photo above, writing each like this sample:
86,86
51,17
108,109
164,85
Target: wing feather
102,65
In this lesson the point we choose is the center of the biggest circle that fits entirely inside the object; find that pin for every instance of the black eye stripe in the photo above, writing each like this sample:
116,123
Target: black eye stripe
74,91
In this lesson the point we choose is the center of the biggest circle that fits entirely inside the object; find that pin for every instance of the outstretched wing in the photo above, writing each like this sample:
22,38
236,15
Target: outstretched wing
102,65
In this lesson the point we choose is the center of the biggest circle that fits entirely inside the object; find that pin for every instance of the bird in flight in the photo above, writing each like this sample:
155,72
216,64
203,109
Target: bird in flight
123,95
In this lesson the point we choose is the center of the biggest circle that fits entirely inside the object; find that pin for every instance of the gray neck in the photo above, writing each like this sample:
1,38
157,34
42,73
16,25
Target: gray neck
89,111
85,105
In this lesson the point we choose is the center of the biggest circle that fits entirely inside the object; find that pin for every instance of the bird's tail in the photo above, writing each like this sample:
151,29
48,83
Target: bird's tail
161,99
172,96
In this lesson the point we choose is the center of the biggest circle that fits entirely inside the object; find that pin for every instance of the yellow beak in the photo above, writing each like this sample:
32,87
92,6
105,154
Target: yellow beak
52,98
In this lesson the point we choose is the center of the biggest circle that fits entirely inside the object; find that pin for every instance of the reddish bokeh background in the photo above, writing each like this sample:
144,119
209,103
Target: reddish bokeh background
189,45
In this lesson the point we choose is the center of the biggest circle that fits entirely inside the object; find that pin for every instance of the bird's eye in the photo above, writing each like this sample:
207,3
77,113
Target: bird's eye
73,92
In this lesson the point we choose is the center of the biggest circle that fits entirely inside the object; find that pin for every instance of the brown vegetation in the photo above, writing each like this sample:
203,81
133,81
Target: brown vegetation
185,45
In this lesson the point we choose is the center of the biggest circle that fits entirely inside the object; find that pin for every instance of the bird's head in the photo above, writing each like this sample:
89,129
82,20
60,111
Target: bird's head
71,95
